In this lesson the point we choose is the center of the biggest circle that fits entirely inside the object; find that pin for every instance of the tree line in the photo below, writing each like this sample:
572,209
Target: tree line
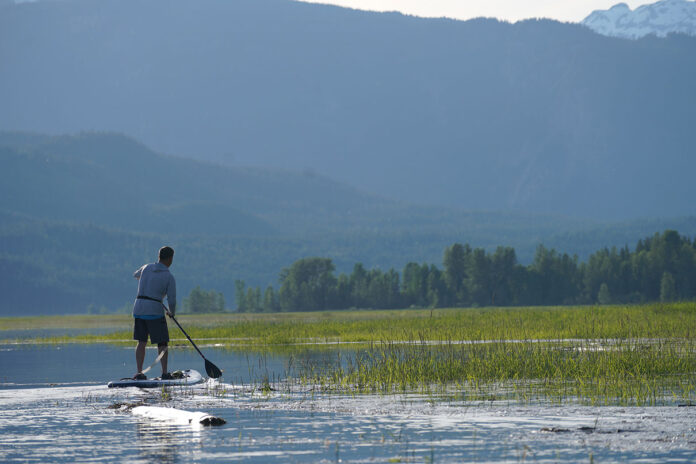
660,268
202,301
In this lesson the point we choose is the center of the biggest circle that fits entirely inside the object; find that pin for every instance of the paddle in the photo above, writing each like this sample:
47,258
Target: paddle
157,359
211,369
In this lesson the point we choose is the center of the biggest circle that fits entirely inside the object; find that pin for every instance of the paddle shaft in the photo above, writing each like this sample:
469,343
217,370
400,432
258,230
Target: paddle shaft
157,359
211,369
182,329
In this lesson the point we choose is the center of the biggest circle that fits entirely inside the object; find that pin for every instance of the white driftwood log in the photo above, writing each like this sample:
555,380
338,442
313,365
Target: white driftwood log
176,416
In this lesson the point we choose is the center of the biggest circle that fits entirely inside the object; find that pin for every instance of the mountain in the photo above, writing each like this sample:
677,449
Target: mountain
533,117
79,213
660,19
114,181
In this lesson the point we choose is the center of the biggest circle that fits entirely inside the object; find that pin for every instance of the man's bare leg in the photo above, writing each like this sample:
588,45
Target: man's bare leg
160,348
140,355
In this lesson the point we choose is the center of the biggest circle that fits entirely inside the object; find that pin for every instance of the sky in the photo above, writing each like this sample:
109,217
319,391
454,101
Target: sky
509,10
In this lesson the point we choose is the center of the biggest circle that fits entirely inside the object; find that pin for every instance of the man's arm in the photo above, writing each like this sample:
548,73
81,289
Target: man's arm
171,294
138,273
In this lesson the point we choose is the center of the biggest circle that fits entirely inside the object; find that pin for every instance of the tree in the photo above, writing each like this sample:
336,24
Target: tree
308,285
415,284
603,296
359,286
455,262
270,302
240,296
344,297
557,277
435,288
393,289
201,301
662,267
253,300
668,291
502,276
479,281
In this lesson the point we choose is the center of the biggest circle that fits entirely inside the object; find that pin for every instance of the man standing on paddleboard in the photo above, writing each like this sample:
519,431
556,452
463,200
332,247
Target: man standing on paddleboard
154,283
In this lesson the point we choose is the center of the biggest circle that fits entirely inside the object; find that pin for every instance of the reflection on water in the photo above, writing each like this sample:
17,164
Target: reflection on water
164,443
47,364
74,423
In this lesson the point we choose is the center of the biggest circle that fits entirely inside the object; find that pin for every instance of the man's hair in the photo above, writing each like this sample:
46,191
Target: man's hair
166,253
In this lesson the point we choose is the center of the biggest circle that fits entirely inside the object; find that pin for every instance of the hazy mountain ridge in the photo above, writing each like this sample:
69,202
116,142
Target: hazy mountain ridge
79,213
660,18
535,116
115,181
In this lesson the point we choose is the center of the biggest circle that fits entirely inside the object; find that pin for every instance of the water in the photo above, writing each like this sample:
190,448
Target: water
29,334
54,407
28,365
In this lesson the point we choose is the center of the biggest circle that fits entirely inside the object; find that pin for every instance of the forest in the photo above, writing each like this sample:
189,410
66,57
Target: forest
659,268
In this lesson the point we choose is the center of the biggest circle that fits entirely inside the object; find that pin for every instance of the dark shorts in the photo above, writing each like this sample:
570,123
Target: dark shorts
155,328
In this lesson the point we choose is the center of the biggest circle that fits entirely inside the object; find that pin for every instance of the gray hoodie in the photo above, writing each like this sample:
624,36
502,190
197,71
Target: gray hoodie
155,281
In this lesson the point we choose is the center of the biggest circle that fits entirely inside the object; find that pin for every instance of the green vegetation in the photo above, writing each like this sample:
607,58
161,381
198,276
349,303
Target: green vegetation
202,301
604,372
116,321
661,268
597,354
675,320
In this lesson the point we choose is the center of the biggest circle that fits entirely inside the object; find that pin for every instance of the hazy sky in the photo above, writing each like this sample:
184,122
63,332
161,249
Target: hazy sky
511,10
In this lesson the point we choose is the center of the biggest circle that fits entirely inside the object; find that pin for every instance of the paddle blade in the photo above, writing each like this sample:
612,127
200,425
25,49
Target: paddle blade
212,370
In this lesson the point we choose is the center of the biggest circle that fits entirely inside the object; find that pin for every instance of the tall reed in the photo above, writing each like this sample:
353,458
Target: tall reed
606,372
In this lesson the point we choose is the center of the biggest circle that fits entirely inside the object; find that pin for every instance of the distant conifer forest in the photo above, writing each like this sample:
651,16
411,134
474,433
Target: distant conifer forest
660,268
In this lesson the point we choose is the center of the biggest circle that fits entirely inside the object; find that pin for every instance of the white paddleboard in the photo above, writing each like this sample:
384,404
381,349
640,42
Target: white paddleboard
189,377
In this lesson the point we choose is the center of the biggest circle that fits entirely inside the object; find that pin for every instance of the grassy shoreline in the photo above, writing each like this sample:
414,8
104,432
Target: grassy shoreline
596,354
676,320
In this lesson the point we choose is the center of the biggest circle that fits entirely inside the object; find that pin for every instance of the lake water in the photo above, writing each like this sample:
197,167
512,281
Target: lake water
54,407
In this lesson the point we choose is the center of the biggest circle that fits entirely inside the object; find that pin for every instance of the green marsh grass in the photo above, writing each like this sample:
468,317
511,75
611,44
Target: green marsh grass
74,321
596,372
533,323
596,354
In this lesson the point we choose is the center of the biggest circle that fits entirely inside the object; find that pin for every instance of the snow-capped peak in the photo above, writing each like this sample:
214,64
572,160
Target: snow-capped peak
661,18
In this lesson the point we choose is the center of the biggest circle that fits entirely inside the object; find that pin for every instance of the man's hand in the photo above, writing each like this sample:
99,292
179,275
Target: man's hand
169,313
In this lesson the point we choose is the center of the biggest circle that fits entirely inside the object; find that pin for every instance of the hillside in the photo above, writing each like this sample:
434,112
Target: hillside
114,181
536,116
79,213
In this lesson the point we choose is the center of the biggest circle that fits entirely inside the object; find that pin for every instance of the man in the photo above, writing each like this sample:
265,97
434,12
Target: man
154,283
